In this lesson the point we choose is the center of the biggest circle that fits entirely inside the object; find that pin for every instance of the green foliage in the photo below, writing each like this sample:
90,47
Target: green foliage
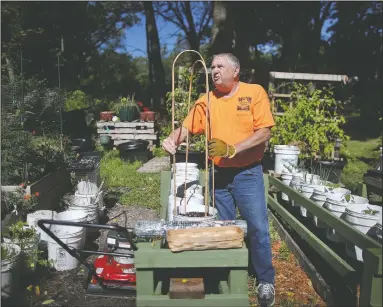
18,200
182,106
76,100
313,123
27,239
125,102
144,188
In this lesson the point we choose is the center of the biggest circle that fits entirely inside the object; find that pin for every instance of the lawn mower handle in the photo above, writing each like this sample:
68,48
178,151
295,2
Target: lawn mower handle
76,252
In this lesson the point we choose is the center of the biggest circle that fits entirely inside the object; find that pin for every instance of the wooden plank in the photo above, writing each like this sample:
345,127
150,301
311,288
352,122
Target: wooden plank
147,257
125,130
306,76
336,262
277,95
192,288
238,281
131,136
224,287
350,233
211,300
165,190
125,124
371,285
145,286
319,284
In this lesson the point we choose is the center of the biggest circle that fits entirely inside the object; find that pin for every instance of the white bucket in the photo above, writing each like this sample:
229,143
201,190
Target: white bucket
195,189
195,208
307,190
196,200
33,218
10,270
73,237
319,197
180,184
183,165
312,179
87,187
337,205
355,216
285,155
295,184
286,179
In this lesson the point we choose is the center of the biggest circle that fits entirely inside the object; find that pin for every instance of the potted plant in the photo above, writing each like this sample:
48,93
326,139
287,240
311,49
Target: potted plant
127,109
10,268
19,202
313,125
196,152
27,238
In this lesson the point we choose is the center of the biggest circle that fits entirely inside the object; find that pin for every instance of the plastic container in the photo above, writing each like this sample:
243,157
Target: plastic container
195,208
286,179
195,200
134,150
33,218
73,237
87,188
355,216
10,270
285,155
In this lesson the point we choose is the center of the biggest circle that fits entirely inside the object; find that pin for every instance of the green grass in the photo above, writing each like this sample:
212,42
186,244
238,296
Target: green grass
364,155
144,188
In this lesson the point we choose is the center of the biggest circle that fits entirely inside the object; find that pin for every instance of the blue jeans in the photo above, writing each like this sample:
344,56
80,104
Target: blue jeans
244,187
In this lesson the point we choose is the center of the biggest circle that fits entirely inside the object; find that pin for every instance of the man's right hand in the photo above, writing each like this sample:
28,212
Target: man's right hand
169,145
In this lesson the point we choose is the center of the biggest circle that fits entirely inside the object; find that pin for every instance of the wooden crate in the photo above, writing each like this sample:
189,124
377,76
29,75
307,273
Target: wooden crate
124,131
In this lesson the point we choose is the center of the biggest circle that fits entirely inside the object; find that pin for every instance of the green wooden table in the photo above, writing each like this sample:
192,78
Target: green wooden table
224,271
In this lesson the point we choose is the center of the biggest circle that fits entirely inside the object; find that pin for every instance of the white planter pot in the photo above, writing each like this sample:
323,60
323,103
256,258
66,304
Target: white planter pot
10,270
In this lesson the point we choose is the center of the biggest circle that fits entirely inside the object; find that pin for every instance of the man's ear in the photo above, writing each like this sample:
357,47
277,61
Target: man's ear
236,72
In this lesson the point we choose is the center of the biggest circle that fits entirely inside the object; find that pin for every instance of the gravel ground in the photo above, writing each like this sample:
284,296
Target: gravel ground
66,288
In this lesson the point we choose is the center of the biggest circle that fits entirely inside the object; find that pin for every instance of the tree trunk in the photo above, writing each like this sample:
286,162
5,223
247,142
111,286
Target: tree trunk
156,69
10,68
222,31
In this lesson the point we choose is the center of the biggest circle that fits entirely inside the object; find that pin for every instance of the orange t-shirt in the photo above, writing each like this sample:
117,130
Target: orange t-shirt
233,120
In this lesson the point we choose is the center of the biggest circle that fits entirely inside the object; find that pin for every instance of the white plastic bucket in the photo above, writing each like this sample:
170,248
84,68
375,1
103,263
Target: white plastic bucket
33,218
73,237
312,179
10,270
87,187
286,179
295,184
362,221
319,197
78,216
307,190
195,208
196,200
285,156
337,208
180,184
183,165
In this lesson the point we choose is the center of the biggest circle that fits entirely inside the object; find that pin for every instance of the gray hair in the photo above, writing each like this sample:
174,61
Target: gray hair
230,57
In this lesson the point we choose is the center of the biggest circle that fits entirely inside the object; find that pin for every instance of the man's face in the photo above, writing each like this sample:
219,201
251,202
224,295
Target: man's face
223,74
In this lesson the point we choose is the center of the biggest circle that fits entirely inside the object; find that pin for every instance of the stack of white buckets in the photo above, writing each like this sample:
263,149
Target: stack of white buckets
189,200
352,208
86,206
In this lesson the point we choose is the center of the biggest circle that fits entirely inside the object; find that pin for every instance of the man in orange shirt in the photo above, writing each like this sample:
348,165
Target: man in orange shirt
240,120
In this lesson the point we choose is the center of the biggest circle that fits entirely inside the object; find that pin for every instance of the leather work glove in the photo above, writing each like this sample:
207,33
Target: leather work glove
218,148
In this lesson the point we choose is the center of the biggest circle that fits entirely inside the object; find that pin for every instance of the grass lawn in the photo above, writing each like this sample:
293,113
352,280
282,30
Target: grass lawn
143,189
364,155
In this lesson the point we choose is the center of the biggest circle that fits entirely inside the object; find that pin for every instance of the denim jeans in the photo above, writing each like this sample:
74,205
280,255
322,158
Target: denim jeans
244,188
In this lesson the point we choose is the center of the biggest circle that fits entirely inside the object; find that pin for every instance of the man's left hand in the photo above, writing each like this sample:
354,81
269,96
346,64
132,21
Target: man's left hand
219,148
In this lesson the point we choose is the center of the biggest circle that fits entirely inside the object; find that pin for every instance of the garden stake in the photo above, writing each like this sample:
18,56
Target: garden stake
207,134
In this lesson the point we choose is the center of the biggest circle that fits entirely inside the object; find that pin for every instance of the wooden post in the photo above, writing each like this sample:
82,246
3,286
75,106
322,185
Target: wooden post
371,285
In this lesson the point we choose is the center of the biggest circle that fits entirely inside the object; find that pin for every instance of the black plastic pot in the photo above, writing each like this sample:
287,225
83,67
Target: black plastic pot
134,150
193,157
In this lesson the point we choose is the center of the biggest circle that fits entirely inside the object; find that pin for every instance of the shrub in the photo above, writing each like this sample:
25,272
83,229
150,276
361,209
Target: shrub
313,124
